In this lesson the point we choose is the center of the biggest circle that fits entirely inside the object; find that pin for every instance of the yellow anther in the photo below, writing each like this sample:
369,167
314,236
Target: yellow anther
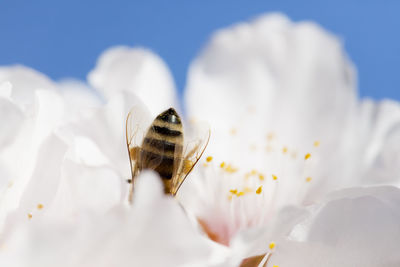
233,191
274,177
270,136
253,172
275,266
229,197
209,158
316,143
233,131
241,193
40,206
29,216
308,179
294,155
205,164
247,190
307,156
268,148
284,150
272,245
230,169
261,177
259,190
222,165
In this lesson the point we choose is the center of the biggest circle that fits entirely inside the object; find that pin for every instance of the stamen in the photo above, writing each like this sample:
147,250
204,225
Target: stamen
40,206
258,191
222,165
307,156
270,136
209,158
29,216
247,190
316,143
284,150
261,177
308,179
274,177
233,191
230,169
233,131
272,245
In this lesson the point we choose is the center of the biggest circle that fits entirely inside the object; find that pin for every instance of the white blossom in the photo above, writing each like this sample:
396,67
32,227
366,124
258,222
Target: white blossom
298,171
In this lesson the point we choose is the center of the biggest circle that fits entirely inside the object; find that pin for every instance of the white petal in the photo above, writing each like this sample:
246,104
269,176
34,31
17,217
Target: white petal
153,232
381,131
11,117
24,83
357,227
290,80
136,70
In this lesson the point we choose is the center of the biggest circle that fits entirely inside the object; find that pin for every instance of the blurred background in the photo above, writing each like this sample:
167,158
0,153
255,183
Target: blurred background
64,38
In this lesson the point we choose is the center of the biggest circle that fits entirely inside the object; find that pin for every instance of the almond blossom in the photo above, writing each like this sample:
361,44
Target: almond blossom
298,171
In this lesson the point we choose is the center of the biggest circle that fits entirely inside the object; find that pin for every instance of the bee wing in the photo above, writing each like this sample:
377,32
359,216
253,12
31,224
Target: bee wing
197,137
138,122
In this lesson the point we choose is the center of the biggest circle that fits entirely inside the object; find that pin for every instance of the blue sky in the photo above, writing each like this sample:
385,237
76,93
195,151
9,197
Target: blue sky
64,38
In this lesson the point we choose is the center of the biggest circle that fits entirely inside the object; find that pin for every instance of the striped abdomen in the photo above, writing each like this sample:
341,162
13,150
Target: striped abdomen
161,149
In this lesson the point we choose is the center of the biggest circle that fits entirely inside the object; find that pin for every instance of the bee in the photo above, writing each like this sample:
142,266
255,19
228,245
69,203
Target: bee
162,147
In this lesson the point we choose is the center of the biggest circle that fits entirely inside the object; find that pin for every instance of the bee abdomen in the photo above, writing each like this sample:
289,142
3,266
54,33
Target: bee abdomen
166,131
160,163
161,146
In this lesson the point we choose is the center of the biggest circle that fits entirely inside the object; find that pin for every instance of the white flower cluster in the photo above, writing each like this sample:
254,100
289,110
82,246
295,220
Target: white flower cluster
298,171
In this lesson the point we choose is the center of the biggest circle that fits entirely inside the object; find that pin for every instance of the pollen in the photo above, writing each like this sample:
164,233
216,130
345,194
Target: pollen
284,150
29,216
241,193
247,190
274,177
188,165
307,156
261,177
272,245
258,191
230,169
275,266
316,143
308,179
270,136
209,158
40,206
233,191
222,165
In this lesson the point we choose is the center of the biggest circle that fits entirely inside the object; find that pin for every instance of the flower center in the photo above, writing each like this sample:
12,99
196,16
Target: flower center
235,198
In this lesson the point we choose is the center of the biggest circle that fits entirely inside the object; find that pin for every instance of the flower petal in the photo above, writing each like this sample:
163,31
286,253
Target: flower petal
356,227
135,70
